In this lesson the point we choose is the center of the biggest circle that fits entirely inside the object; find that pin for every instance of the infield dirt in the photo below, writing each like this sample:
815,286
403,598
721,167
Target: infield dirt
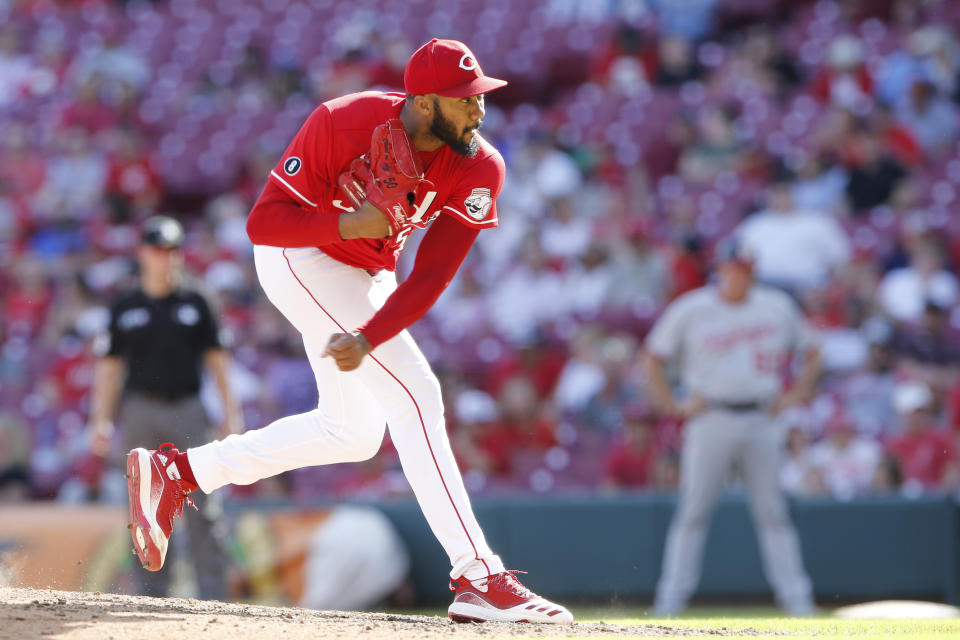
68,615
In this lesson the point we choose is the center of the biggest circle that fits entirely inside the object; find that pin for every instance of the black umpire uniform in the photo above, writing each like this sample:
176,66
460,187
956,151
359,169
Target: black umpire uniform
162,343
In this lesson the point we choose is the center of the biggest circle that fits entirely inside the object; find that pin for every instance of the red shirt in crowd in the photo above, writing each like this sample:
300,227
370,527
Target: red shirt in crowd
629,467
90,114
924,456
74,375
541,365
23,172
688,272
503,441
133,177
27,306
465,191
902,144
822,84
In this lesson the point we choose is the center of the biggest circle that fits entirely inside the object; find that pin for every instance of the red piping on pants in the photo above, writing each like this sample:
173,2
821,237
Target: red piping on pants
415,404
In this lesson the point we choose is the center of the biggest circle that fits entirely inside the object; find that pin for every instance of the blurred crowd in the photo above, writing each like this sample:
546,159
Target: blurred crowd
637,133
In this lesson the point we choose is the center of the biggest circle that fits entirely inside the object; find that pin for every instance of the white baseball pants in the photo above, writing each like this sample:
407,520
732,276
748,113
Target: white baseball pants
393,386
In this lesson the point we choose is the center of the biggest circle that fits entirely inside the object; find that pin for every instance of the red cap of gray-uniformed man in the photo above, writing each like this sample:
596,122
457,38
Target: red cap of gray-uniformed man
734,250
447,68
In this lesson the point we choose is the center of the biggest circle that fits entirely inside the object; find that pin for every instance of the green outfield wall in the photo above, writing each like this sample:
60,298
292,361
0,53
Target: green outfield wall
609,547
599,548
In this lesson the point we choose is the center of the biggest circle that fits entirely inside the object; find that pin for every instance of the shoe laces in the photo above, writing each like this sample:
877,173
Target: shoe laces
183,497
179,497
179,493
507,581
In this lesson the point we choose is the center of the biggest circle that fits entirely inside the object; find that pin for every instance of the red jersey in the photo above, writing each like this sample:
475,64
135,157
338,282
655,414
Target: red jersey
338,131
629,468
925,456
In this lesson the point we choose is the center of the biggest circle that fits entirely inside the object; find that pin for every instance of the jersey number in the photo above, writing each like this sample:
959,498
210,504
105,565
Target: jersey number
769,361
416,221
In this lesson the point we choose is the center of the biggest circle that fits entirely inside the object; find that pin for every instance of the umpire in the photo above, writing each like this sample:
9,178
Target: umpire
732,343
160,336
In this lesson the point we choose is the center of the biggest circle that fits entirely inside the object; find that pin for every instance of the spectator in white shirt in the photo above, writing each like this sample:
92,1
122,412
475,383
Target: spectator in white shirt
554,173
798,476
932,118
846,461
566,234
583,375
20,75
819,187
589,281
794,249
904,292
641,270
865,395
528,293
114,61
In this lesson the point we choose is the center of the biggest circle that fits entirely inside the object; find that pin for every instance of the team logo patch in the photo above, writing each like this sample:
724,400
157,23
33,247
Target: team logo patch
479,203
187,314
133,318
291,166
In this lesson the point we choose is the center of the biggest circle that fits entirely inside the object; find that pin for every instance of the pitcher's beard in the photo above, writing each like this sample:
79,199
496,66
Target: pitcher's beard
443,129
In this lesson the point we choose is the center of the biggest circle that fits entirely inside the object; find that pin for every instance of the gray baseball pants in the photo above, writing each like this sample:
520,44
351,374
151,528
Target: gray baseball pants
713,442
148,422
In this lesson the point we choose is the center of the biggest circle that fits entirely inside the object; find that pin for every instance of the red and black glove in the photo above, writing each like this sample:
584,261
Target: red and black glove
387,176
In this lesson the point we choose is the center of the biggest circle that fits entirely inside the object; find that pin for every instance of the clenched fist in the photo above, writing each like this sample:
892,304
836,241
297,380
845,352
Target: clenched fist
347,349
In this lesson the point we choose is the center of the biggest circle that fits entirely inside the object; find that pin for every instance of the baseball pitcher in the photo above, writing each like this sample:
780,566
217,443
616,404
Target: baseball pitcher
363,172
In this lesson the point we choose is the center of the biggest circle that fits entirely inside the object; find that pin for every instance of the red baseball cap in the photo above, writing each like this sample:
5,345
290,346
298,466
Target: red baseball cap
447,68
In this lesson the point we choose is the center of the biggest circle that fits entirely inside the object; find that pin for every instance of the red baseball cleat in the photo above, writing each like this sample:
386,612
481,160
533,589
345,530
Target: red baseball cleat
156,497
501,598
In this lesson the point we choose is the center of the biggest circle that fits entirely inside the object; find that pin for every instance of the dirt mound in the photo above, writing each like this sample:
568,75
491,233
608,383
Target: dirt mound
34,613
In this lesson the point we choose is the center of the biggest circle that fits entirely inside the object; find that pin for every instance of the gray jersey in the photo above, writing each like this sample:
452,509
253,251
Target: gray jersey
731,352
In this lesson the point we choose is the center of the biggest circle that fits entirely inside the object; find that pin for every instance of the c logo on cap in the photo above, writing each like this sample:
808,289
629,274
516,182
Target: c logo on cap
468,62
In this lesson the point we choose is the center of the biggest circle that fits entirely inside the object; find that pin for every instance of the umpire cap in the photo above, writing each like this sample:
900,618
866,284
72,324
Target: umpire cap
163,232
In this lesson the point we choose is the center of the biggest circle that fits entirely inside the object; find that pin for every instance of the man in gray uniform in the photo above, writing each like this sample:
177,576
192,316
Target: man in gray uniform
732,344
162,334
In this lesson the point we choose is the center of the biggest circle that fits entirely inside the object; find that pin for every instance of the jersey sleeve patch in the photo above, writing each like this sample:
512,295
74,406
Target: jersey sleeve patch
476,208
291,166
478,203
472,200
302,170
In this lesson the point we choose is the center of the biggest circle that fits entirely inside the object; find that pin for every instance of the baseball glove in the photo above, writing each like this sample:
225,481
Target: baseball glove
387,176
